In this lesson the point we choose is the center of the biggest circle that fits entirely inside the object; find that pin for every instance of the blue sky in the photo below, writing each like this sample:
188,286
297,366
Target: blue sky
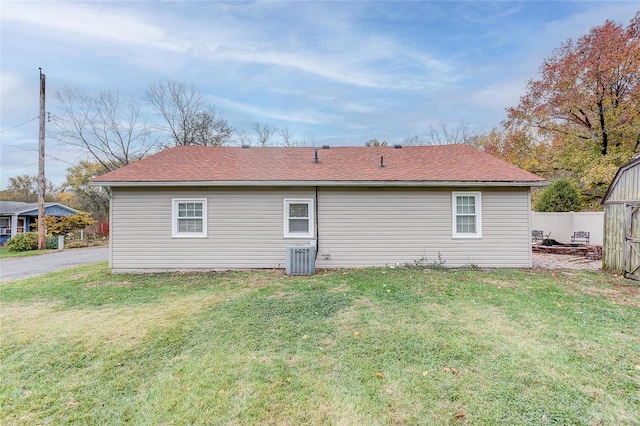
338,73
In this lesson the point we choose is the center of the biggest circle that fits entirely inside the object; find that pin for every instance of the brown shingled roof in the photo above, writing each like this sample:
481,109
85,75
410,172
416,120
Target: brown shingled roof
196,164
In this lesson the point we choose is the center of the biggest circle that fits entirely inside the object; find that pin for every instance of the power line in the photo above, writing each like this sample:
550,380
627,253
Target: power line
18,125
60,159
17,146
21,165
35,150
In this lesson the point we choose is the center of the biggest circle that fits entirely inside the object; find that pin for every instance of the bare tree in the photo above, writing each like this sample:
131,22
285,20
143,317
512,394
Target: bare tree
413,140
243,137
264,132
209,129
447,135
189,119
443,134
107,126
288,140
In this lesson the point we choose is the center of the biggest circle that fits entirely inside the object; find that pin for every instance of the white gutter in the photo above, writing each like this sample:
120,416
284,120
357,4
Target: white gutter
373,183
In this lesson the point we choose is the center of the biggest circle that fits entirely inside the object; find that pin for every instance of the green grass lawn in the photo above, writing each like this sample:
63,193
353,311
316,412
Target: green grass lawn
346,347
4,253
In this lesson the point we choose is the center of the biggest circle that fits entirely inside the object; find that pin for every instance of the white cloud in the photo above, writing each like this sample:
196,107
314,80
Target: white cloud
579,23
348,56
499,95
487,12
306,116
350,71
81,22
15,107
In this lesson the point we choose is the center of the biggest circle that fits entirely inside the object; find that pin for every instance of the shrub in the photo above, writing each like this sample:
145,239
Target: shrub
64,224
51,242
76,244
29,241
23,242
561,196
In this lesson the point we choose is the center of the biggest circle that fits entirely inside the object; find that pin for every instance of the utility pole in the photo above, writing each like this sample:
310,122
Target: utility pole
42,242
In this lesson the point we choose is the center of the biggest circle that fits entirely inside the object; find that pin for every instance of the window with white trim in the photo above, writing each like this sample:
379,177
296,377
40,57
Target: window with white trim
189,218
5,226
298,218
467,214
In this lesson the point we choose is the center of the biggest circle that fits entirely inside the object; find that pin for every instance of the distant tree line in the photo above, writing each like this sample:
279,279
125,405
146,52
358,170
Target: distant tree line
579,121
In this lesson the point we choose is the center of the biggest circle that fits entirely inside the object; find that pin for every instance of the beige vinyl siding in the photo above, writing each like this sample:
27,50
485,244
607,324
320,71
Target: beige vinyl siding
244,230
357,227
385,227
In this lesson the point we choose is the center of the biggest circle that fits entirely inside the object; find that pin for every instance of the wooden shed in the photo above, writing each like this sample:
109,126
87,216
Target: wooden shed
621,245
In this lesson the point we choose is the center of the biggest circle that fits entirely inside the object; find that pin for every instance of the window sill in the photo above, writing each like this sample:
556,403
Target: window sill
297,236
179,236
466,237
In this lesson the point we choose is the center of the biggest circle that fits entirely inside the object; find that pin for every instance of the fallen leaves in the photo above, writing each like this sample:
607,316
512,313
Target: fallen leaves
451,370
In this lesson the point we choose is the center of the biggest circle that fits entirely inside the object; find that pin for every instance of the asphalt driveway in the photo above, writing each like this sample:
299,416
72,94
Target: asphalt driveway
22,267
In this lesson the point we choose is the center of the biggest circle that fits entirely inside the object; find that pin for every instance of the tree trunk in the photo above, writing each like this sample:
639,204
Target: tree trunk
605,135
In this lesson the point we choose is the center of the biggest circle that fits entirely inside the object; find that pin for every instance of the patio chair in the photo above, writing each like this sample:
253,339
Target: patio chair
580,237
537,236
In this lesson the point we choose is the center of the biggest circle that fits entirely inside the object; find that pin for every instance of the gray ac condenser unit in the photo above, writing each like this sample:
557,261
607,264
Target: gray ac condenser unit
301,259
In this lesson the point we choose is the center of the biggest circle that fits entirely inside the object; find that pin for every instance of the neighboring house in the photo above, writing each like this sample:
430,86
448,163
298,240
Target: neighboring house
621,246
216,208
17,217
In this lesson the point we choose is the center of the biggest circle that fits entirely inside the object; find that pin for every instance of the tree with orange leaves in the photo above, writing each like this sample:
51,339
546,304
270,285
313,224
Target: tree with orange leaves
589,90
585,108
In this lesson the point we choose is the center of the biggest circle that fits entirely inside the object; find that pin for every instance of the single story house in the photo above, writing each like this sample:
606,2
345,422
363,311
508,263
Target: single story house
17,217
216,208
621,245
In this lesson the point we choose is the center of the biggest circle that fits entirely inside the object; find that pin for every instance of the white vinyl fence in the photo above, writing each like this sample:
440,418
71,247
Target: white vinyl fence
561,226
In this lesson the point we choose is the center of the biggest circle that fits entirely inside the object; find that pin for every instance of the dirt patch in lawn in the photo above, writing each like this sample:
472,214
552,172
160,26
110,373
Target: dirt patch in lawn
619,294
616,290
